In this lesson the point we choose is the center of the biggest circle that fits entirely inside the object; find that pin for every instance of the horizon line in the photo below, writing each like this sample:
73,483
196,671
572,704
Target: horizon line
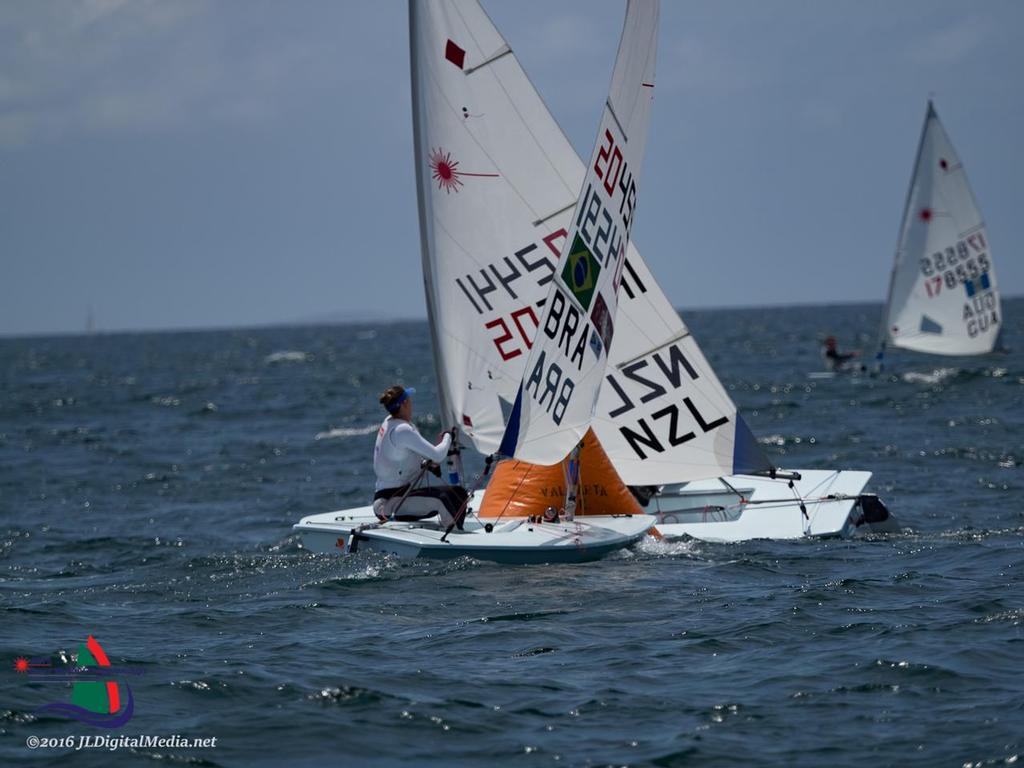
327,321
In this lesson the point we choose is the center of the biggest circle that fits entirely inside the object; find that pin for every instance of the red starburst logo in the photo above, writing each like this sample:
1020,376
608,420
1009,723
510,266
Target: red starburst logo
943,164
925,215
445,170
21,664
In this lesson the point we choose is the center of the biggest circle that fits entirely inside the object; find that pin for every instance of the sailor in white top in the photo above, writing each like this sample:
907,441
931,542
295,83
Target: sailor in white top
397,459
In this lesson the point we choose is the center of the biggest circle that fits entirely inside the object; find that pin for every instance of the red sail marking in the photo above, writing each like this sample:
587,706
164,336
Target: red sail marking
97,652
454,54
446,171
113,695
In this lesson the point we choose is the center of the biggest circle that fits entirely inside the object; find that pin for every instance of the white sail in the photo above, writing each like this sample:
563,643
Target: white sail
487,262
494,207
663,416
564,373
943,295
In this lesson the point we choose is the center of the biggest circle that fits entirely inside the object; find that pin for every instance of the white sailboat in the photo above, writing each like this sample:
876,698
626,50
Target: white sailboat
943,294
471,173
499,188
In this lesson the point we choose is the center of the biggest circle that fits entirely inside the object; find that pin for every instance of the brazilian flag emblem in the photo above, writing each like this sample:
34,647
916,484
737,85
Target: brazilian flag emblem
580,272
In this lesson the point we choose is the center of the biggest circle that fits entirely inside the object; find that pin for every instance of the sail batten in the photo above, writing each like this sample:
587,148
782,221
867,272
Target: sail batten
503,52
650,350
563,209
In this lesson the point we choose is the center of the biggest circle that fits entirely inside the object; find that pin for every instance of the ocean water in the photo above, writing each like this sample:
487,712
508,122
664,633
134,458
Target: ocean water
148,484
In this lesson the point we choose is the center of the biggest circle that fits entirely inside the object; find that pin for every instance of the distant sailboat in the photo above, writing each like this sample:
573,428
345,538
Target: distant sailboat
943,294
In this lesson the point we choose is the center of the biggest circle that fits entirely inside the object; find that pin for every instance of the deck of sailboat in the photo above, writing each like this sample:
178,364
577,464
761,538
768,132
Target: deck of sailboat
510,541
744,507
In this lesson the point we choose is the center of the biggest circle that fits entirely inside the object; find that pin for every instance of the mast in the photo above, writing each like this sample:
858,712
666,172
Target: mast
883,326
444,400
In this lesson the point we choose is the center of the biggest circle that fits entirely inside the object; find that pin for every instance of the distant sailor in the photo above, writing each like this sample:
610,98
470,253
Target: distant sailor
834,359
397,459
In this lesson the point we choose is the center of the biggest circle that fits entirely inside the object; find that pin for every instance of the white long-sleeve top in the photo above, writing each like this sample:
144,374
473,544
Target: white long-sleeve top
399,450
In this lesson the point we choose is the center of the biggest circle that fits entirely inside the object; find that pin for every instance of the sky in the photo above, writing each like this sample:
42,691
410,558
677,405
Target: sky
219,163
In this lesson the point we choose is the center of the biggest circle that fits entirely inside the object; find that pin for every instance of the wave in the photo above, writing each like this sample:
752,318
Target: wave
650,545
781,440
936,376
97,719
332,434
287,356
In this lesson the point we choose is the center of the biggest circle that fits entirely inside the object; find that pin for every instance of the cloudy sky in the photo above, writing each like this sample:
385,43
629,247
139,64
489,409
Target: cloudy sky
193,163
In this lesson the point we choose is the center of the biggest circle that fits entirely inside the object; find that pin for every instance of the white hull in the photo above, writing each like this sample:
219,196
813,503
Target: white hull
742,507
738,508
514,542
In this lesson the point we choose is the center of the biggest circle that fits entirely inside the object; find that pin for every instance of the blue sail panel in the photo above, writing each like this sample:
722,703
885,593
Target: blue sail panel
511,436
747,454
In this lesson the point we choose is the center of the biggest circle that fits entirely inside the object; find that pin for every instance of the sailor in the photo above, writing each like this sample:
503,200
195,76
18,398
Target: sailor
834,359
398,460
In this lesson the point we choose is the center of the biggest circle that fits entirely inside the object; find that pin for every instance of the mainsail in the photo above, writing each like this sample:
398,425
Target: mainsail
943,295
498,183
494,205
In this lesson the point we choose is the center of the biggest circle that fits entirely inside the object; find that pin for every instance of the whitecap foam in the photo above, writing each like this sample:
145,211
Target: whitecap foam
287,356
936,376
651,545
333,434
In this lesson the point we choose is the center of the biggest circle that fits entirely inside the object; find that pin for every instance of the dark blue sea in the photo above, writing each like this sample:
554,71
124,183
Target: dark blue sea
149,482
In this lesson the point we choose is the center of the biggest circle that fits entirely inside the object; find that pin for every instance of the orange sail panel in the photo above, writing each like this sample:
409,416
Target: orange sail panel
518,489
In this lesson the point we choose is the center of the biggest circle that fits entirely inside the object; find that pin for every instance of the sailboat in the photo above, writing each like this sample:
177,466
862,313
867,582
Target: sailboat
943,294
497,205
469,148
666,422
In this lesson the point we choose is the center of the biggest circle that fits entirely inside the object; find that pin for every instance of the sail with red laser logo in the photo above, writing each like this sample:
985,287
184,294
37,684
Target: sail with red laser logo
943,294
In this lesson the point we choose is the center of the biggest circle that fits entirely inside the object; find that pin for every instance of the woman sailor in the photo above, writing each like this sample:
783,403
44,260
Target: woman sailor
398,457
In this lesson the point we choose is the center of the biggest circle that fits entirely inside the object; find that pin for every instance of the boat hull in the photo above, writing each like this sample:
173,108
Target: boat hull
742,508
515,542
731,509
